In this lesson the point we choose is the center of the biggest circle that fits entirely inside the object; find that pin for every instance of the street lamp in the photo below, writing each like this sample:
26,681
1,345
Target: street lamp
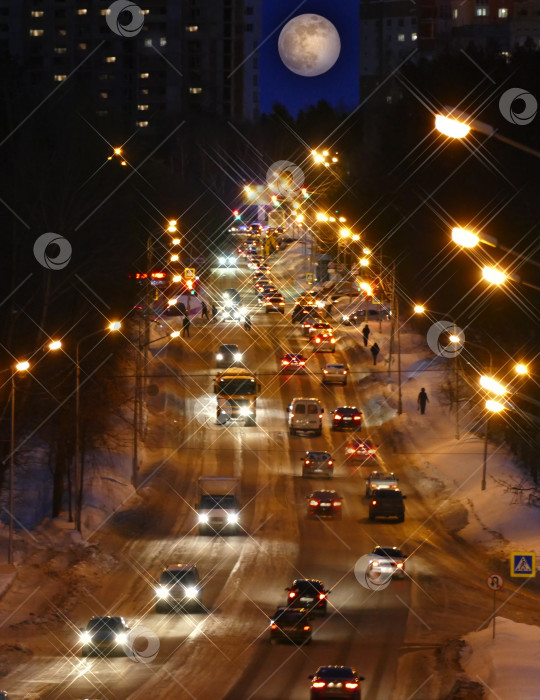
55,345
19,367
469,239
521,369
113,326
498,277
493,385
492,406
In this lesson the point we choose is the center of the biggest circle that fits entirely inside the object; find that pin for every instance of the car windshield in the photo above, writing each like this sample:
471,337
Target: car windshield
388,493
318,456
388,552
226,502
188,578
344,672
309,587
238,386
105,623
335,368
383,477
228,348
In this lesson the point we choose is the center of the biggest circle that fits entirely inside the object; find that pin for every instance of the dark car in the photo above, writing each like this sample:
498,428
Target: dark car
310,593
317,463
387,503
290,625
308,322
300,311
232,296
179,588
105,635
346,417
358,450
275,303
336,682
228,356
325,504
293,362
390,556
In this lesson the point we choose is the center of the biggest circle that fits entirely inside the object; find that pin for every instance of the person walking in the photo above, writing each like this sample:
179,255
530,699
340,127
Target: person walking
365,332
186,323
204,310
247,323
375,350
422,400
214,312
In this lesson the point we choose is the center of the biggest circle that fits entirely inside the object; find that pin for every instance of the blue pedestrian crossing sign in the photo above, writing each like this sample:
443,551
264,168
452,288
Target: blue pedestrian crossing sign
523,564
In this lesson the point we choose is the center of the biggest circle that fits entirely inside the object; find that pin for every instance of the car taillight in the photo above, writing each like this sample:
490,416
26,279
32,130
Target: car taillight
307,628
399,565
356,417
284,362
330,461
302,362
371,452
318,684
325,371
273,627
314,503
344,371
336,503
292,594
337,416
351,686
307,461
322,596
320,415
373,503
332,340
282,303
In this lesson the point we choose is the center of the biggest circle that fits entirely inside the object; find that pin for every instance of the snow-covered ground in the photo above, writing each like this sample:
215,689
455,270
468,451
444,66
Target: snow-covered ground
508,666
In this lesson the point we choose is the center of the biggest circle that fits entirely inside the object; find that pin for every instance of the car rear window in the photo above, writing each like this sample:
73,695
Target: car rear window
388,493
312,409
188,578
300,408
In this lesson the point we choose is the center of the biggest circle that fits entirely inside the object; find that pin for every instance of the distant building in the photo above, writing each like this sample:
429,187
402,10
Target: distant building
190,56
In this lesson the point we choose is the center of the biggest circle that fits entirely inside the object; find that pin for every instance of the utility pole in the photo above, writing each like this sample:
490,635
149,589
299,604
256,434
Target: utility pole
456,385
400,395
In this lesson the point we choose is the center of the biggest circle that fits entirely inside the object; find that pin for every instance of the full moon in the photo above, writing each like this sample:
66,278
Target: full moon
309,45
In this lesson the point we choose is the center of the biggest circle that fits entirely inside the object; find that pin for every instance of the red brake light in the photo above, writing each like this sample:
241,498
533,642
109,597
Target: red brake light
351,686
337,416
332,340
330,461
307,628
317,340
292,594
313,503
350,450
356,417
336,503
284,362
373,503
318,684
371,452
322,596
302,362
399,565
307,461
273,627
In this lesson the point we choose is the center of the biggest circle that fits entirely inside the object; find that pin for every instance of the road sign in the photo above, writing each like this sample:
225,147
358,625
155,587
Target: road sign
309,277
523,564
495,582
189,273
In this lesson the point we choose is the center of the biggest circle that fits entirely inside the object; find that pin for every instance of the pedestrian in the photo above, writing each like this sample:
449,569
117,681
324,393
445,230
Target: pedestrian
214,312
365,333
375,350
185,327
182,308
204,310
247,323
422,400
329,309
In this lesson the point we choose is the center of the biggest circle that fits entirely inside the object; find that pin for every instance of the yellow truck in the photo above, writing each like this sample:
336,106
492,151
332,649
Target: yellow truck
236,390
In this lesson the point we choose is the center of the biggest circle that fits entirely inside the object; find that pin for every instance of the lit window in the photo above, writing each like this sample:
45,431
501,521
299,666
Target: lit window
82,46
503,12
148,42
104,95
60,49
142,108
481,11
59,78
195,90
82,12
36,32
192,28
141,124
455,13
163,41
37,13
414,36
110,59
401,37
144,75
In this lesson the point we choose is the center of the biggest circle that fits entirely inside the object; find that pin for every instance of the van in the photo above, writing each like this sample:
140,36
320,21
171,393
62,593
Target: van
305,414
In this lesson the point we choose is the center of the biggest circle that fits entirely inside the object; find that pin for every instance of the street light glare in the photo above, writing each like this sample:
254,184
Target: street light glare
321,217
454,338
342,219
364,262
174,258
115,326
366,251
494,406
22,366
176,241
492,275
172,302
419,309
451,127
55,345
345,233
366,288
465,238
117,151
356,237
492,385
521,369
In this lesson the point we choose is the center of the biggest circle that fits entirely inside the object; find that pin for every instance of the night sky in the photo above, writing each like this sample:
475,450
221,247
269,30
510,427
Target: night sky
279,84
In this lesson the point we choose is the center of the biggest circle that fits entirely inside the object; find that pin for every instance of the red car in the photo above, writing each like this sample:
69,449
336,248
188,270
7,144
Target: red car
292,362
325,504
346,417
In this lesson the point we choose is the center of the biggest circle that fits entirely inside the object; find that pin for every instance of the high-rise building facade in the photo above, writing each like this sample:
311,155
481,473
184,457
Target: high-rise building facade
189,56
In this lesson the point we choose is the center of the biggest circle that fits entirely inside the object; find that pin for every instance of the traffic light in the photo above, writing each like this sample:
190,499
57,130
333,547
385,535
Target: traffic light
189,288
236,214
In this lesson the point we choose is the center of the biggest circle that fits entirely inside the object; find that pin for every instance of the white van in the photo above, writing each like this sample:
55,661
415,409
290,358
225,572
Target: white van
305,414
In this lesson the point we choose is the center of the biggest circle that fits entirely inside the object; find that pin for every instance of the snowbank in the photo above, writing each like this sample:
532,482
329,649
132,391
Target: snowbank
509,665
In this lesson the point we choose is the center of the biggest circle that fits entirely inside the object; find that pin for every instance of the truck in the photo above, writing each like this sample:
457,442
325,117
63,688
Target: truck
218,508
236,390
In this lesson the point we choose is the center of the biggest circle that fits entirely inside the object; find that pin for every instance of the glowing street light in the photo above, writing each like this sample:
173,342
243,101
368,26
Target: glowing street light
494,276
451,127
345,233
521,369
175,257
356,237
419,309
494,406
55,345
320,216
177,278
364,262
454,338
175,241
342,219
172,302
464,238
113,326
364,286
492,385
366,251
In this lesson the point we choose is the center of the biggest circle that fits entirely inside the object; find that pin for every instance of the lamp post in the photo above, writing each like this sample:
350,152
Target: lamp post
19,367
456,339
114,326
470,239
495,276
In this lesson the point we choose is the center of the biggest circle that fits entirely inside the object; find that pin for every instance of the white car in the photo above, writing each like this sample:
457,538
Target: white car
335,373
381,480
227,261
